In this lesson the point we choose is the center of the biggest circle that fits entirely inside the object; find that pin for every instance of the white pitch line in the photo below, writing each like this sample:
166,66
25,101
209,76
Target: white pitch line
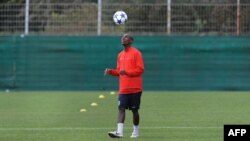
183,127
97,128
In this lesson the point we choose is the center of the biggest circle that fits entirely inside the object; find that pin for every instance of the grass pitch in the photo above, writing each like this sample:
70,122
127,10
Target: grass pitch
173,116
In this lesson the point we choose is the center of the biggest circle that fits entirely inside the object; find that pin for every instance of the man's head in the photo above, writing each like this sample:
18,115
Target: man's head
127,40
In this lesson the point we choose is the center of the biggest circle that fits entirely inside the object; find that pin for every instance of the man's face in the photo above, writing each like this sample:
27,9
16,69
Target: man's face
126,40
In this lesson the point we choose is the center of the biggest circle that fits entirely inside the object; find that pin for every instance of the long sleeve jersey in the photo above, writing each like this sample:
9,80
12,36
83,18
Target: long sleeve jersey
130,60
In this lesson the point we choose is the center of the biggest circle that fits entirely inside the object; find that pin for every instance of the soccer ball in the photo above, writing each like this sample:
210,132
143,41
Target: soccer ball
120,17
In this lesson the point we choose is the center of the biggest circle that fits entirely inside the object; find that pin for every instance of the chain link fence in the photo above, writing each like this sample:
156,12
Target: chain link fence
143,19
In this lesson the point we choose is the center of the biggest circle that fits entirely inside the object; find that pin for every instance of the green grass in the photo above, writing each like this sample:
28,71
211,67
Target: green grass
173,116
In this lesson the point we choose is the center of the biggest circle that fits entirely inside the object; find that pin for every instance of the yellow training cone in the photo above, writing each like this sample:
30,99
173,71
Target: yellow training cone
83,110
101,96
112,93
94,104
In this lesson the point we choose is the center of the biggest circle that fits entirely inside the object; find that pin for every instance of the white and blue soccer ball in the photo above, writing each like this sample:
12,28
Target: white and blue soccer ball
120,17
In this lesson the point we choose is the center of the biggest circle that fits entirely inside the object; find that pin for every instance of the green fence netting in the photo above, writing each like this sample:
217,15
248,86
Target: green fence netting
78,62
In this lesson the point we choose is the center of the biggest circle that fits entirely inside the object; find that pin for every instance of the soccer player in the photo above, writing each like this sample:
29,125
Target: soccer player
130,68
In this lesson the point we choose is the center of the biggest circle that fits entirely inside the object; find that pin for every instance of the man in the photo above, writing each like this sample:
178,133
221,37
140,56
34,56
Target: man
130,68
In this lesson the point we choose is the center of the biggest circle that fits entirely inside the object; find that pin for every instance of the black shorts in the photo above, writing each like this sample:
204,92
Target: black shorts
129,101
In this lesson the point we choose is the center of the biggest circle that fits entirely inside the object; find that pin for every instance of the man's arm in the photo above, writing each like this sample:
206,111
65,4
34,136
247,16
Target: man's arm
139,67
109,71
113,72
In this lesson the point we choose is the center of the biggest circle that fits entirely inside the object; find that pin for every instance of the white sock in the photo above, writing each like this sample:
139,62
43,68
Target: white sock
136,129
120,128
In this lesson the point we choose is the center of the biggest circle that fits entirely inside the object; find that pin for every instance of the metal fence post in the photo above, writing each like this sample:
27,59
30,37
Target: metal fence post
99,18
238,17
26,28
169,17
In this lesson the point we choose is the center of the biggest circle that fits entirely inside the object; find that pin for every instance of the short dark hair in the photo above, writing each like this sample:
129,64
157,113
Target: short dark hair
130,36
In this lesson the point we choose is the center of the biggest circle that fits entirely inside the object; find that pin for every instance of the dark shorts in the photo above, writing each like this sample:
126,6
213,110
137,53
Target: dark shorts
129,101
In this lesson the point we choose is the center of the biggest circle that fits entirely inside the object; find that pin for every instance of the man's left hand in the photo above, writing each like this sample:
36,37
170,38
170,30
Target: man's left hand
123,72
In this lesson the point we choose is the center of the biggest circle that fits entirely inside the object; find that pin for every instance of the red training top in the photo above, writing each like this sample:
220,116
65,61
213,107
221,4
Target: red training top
130,60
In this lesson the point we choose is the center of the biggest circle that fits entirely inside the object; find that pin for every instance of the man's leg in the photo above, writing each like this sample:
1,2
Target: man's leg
135,105
136,117
136,120
120,121
120,117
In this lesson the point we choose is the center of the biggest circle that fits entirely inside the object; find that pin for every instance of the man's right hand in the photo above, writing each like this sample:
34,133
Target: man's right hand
106,71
